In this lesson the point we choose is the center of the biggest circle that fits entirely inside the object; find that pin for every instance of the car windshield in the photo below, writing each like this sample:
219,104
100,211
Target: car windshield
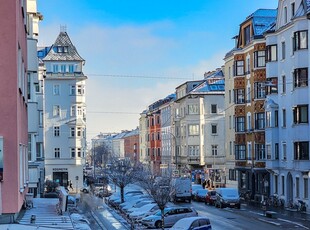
159,212
230,193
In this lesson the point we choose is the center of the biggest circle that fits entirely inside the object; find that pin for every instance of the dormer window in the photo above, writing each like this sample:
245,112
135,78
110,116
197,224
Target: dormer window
62,49
247,35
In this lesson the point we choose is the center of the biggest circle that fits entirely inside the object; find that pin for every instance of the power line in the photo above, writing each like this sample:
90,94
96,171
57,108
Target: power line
111,112
136,76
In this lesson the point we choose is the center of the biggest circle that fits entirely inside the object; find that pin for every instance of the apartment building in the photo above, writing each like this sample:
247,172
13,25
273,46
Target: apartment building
13,113
35,104
64,113
248,88
287,102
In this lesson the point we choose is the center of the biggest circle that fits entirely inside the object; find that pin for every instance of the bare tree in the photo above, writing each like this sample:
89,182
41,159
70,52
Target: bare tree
100,154
122,173
159,188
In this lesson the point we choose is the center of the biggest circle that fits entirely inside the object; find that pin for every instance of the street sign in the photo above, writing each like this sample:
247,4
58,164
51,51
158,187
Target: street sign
163,166
175,173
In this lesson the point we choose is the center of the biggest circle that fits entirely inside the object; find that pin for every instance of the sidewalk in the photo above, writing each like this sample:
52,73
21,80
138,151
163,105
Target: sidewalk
280,215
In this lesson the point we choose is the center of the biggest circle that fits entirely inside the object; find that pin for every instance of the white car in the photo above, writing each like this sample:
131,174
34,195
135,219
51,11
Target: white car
144,211
192,223
137,206
171,216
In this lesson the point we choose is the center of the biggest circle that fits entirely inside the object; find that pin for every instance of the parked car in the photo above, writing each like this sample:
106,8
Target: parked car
210,197
195,187
171,216
200,194
137,205
227,197
144,211
192,223
105,191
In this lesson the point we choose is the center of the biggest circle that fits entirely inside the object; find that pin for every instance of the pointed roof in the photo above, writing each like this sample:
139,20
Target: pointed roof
67,51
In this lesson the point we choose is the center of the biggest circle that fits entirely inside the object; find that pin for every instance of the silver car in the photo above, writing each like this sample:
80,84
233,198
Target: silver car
171,216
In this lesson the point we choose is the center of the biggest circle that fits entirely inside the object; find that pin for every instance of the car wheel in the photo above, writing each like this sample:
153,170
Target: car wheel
158,224
84,190
238,206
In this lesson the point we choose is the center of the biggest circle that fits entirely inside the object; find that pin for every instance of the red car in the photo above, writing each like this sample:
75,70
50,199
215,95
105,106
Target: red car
210,197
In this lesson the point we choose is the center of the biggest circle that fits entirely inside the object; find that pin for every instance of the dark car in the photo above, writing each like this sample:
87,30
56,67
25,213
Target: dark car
210,197
200,194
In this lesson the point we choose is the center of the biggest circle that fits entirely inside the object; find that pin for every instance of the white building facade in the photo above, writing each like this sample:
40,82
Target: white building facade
64,113
287,102
35,104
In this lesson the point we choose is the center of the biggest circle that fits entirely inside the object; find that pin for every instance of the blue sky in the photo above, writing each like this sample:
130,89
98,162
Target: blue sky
164,39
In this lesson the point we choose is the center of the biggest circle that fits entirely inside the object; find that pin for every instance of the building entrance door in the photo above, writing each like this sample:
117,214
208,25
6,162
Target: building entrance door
61,178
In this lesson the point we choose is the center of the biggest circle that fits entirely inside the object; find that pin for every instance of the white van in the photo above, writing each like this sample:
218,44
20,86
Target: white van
182,189
227,197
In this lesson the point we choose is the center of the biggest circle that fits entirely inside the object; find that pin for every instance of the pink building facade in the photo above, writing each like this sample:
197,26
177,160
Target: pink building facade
13,109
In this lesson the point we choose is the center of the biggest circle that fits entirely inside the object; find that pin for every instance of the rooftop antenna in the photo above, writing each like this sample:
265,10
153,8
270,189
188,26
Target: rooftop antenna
63,28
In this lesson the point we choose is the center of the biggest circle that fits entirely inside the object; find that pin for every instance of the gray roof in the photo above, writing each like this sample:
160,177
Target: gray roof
263,19
214,83
63,40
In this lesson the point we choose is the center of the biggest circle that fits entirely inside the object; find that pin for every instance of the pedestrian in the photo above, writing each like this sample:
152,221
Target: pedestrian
70,185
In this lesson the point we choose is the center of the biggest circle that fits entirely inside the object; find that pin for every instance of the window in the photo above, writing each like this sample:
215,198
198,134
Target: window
259,59
276,118
71,68
249,157
56,110
292,9
62,68
239,96
301,77
283,185
271,53
193,130
306,188
56,131
72,152
229,122
213,108
272,85
268,119
301,150
259,121
40,118
297,187
55,68
283,50
78,131
240,152
239,68
65,49
283,84
259,88
72,90
230,148
193,109
300,40
80,90
193,150
232,174
276,184
214,150
213,129
229,96
72,132
57,152
276,151
284,151
285,15
300,114
56,89
260,152
283,118
73,110
79,151
247,35
240,124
